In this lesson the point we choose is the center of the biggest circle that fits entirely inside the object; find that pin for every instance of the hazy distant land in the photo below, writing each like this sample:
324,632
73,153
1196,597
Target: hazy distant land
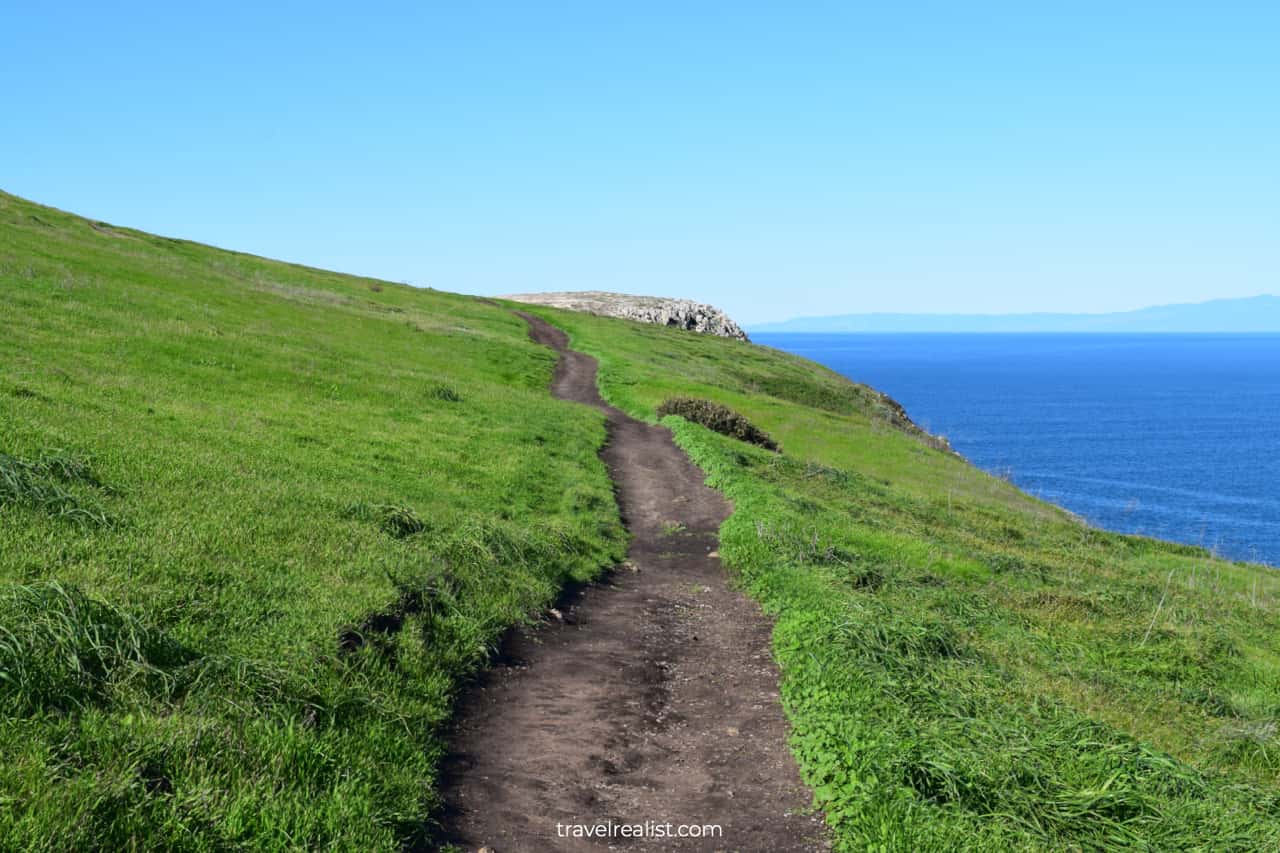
1253,314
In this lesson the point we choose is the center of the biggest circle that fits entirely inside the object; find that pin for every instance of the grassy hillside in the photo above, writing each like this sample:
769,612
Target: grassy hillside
964,667
257,522
214,470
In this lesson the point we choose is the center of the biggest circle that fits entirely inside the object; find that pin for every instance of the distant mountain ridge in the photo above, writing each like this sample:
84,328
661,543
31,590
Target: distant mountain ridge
1251,314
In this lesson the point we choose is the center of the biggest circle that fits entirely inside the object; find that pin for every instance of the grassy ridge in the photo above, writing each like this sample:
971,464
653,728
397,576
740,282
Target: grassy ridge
256,521
965,667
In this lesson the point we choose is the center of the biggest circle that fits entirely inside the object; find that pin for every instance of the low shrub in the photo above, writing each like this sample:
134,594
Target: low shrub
718,418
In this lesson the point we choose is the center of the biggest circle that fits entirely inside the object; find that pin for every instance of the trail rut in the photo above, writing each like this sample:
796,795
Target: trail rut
654,700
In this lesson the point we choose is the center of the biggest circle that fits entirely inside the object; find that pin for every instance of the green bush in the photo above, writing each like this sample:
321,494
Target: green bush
718,418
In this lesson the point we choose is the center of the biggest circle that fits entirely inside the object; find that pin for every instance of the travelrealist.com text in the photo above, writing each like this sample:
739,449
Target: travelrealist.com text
645,829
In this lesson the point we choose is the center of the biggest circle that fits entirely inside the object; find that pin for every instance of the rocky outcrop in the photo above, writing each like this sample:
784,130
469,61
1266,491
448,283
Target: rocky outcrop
678,313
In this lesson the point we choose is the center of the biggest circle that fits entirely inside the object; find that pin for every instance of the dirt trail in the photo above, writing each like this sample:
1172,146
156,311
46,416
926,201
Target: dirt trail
656,697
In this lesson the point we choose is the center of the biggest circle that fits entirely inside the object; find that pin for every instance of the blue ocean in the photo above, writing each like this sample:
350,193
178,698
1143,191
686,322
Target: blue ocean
1173,436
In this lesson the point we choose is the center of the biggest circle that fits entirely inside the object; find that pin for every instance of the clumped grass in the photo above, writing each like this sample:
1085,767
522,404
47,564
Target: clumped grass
44,483
267,476
716,417
61,650
444,393
966,668
672,528
435,595
398,521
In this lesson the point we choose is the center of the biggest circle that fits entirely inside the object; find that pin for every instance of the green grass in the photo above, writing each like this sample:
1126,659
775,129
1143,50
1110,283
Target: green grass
216,471
963,666
258,522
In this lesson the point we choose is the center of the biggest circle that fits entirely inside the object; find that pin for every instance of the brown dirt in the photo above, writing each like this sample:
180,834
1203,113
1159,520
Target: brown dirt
655,699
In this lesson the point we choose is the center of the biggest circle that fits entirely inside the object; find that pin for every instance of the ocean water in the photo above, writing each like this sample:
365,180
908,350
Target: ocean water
1172,436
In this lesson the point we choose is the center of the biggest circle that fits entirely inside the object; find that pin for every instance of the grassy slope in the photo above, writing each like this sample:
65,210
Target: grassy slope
965,667
211,465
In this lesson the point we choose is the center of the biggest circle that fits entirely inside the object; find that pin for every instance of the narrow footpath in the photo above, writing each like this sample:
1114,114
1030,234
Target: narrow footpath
654,698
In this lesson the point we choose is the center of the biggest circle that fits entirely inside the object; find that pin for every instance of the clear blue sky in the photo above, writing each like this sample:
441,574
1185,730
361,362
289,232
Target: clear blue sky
776,159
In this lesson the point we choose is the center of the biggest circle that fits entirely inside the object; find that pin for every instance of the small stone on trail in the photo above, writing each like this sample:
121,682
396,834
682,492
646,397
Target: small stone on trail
559,617
715,554
732,731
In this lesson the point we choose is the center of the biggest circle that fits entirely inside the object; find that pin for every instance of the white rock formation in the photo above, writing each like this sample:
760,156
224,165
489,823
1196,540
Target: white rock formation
679,313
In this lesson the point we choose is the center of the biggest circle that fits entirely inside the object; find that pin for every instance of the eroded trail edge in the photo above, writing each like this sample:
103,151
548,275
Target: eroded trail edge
654,700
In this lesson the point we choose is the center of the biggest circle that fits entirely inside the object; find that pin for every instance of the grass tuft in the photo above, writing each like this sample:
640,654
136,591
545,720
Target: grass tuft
400,522
42,483
61,650
717,417
444,393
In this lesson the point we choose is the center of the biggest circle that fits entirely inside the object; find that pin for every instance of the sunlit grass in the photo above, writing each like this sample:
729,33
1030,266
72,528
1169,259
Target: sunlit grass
215,472
965,667
258,522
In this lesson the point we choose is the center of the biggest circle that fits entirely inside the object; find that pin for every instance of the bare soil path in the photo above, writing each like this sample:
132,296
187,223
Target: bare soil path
655,699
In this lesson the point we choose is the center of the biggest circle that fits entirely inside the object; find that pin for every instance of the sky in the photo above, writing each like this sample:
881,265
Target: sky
774,159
